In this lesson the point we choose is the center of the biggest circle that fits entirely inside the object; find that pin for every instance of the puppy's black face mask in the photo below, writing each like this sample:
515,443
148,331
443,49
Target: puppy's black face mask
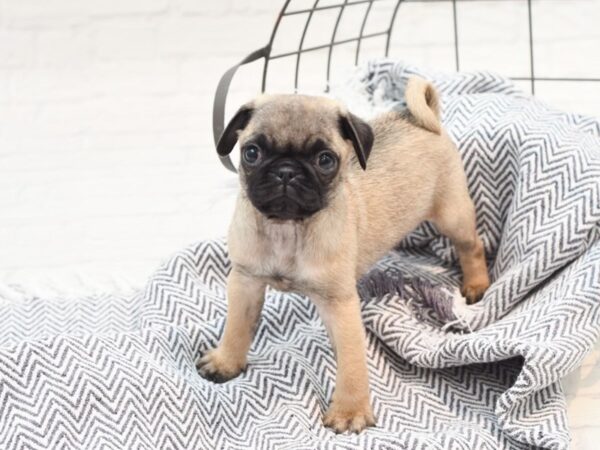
286,183
284,178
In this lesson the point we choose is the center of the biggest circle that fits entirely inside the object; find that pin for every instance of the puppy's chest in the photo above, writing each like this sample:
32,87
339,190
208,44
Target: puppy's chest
281,258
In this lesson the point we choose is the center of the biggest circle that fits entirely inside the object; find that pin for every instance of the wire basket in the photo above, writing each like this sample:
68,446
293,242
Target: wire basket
364,28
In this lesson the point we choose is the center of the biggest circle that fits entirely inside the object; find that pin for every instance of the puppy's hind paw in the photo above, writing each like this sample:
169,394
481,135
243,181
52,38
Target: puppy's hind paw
215,366
473,292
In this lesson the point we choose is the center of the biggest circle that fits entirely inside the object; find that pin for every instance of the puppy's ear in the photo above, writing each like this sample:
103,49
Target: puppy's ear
423,103
237,123
360,133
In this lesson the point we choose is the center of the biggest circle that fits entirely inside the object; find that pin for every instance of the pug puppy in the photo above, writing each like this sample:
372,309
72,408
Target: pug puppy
323,196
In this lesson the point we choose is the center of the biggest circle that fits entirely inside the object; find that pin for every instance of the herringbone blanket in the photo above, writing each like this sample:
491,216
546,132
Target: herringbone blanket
113,373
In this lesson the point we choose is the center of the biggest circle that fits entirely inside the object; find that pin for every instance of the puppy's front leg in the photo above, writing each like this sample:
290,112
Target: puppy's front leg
245,297
350,408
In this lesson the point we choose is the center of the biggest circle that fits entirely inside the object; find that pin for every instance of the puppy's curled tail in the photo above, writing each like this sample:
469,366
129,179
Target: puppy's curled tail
424,104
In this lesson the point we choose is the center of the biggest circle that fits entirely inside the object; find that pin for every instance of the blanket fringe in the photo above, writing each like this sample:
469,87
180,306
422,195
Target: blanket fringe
73,285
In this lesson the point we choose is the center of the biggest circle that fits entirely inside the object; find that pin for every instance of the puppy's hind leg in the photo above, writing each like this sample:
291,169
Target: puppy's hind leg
454,215
245,297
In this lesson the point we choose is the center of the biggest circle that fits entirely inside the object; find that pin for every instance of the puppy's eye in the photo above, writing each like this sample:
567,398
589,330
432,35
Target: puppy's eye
251,154
326,161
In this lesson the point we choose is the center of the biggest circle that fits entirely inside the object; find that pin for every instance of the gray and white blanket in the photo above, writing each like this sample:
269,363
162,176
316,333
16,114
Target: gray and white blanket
113,373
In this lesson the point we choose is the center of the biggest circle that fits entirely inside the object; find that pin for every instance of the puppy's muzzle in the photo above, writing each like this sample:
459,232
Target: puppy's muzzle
287,191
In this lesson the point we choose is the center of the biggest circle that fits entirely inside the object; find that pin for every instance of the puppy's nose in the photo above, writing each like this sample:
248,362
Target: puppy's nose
286,173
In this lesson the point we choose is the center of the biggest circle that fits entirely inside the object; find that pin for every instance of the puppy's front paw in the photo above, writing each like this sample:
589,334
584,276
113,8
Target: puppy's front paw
217,366
349,417
474,291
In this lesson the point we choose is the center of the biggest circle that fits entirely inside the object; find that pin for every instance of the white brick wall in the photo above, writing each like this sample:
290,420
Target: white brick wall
106,160
16,48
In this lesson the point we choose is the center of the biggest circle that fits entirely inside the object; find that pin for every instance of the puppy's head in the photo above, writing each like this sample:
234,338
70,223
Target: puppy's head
295,150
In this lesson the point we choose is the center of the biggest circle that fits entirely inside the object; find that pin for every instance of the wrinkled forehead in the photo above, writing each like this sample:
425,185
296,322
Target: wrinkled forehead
295,122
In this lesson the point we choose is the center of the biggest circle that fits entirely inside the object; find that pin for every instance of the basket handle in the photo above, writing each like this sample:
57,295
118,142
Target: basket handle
221,99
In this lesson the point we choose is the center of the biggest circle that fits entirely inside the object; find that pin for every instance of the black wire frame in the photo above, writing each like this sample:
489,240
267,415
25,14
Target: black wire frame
265,53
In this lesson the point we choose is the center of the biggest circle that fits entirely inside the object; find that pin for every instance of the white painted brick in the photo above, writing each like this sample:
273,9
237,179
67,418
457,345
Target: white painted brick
124,41
267,8
184,36
135,114
52,13
16,121
60,119
232,35
16,48
69,47
120,7
201,75
100,141
4,88
49,84
32,143
134,77
204,7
